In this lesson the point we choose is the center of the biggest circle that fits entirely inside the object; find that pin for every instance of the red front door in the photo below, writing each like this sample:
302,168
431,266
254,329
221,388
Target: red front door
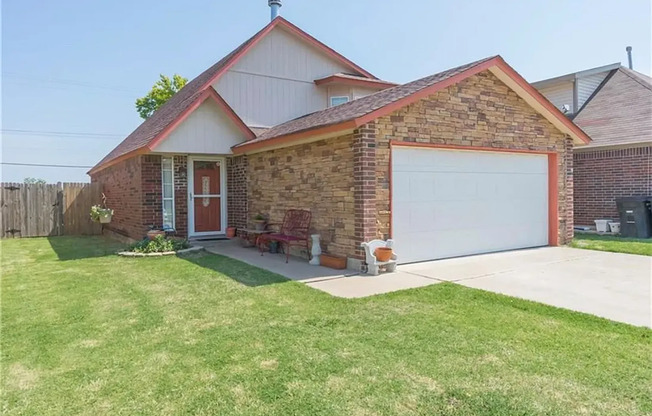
207,196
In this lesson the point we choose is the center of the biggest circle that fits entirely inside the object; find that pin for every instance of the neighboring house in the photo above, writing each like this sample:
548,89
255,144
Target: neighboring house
469,160
613,105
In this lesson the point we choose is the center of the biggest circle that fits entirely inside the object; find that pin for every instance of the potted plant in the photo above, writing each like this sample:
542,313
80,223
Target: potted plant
259,222
154,232
101,214
383,254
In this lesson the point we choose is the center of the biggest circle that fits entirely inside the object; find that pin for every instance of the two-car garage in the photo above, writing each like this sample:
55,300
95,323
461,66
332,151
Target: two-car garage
452,202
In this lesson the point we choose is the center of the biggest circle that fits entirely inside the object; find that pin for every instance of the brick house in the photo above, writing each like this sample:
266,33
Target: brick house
613,105
469,160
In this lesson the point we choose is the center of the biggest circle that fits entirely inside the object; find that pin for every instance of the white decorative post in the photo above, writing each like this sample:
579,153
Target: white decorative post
316,250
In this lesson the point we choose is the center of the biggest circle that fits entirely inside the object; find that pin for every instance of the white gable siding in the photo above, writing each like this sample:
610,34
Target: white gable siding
559,94
206,130
587,85
274,81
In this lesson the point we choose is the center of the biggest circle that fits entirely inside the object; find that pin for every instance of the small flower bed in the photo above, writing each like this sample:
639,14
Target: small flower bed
160,244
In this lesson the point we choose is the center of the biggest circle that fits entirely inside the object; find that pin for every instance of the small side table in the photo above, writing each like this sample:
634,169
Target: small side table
253,235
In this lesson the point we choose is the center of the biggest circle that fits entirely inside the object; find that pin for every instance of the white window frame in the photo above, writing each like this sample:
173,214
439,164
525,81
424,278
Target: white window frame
339,96
163,198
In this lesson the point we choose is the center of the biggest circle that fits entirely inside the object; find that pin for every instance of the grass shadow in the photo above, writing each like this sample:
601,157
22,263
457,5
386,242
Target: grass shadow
83,247
237,270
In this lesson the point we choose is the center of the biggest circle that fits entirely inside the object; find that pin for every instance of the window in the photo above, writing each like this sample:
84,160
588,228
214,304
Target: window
339,100
167,172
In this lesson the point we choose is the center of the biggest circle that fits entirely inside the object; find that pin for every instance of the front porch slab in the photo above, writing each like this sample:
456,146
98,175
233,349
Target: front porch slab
340,283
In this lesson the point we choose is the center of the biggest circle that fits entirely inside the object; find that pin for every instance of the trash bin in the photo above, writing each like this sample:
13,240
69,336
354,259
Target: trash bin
635,216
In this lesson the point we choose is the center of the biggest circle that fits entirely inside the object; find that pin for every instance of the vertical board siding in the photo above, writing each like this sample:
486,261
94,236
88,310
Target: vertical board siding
274,81
41,210
206,130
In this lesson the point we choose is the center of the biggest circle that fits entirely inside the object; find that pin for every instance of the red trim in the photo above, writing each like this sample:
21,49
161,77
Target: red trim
511,72
553,200
553,173
391,190
478,148
279,21
254,145
344,80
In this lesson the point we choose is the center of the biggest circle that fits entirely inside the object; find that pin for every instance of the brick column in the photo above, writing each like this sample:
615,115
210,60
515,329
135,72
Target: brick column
364,182
181,195
236,191
152,189
568,179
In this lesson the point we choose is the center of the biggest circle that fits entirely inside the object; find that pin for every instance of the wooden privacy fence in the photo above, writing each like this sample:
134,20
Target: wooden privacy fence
39,210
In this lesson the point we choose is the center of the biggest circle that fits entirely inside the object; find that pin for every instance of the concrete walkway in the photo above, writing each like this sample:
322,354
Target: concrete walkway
341,283
611,285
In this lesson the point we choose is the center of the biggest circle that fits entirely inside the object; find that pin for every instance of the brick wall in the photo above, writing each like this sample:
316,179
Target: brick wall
479,111
152,214
317,176
236,194
121,185
602,176
181,195
364,181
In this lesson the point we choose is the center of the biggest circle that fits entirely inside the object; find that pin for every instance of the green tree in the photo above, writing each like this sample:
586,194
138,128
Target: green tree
162,90
32,181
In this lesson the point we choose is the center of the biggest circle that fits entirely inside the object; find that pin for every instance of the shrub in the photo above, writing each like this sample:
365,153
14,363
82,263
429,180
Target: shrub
159,244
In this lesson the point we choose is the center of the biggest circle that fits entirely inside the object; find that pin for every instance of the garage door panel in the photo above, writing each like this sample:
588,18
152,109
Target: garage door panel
448,203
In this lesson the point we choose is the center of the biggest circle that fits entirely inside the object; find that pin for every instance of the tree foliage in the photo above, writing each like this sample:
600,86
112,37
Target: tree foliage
34,181
162,90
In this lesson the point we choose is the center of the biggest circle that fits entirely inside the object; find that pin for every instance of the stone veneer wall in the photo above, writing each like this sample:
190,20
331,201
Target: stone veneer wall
317,176
479,111
602,176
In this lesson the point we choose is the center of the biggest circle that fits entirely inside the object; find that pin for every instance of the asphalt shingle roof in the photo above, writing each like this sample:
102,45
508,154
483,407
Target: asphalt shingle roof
360,107
620,112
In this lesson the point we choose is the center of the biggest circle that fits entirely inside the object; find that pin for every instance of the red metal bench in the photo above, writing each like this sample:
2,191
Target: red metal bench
293,232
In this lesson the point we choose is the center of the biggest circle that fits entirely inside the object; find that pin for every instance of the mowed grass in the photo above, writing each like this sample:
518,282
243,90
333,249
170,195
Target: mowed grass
86,332
613,244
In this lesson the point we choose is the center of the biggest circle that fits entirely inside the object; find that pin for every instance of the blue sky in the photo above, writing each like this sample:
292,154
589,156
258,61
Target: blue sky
74,66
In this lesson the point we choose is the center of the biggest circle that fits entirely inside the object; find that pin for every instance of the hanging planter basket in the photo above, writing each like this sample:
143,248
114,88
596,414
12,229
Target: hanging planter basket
105,219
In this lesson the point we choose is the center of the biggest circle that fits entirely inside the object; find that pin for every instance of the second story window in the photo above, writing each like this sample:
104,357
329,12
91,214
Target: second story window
339,100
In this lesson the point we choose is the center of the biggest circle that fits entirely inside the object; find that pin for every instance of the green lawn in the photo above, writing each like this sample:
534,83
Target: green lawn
87,332
613,243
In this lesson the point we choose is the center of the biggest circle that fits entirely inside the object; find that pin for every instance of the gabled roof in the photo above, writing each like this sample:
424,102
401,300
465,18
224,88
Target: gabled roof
620,111
363,110
176,108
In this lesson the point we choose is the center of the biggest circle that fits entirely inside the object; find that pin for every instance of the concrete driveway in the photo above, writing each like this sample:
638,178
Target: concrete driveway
611,285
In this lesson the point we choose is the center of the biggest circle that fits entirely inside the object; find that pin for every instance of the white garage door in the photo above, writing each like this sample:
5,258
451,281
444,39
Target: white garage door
448,203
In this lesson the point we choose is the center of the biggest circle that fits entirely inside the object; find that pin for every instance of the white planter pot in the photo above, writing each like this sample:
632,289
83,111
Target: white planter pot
105,219
615,227
602,226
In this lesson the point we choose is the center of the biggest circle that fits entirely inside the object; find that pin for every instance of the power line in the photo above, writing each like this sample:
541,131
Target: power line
61,133
67,82
42,165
